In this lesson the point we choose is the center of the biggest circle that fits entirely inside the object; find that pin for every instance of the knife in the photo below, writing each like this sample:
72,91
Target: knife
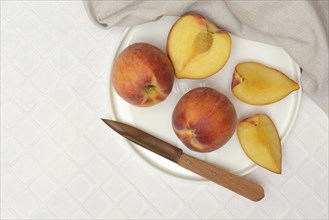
228,180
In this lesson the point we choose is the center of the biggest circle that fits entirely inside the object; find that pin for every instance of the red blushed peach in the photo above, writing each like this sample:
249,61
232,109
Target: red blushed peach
142,75
204,119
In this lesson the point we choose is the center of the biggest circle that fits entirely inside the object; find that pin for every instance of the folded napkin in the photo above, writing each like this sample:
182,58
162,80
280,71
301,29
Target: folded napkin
300,27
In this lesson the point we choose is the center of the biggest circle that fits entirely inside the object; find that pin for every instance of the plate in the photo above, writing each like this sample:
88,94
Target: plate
156,120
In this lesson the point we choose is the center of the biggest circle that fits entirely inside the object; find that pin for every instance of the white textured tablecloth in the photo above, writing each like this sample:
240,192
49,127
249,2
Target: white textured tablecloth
58,160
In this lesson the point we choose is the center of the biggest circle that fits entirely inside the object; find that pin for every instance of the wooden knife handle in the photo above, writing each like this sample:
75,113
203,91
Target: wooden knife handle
228,180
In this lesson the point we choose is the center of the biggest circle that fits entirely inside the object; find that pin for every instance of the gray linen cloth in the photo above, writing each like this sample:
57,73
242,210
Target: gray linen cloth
300,27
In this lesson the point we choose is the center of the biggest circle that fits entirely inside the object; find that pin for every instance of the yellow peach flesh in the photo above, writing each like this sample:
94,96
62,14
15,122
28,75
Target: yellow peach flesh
260,141
197,48
257,84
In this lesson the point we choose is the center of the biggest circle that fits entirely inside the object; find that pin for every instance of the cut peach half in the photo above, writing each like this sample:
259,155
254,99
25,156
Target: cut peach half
257,84
197,48
260,141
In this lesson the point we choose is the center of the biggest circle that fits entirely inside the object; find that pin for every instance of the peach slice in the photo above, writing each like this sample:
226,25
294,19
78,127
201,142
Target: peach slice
197,48
260,141
257,84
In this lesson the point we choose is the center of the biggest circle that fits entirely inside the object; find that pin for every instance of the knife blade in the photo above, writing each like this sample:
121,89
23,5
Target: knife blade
235,183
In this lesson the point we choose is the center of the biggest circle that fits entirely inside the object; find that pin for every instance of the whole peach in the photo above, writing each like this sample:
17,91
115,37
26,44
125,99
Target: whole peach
142,75
204,119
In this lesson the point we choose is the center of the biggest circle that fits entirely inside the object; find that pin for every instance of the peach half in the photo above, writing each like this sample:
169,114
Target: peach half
197,48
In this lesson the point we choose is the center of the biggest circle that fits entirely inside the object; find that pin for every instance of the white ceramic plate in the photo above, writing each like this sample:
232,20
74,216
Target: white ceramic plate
157,119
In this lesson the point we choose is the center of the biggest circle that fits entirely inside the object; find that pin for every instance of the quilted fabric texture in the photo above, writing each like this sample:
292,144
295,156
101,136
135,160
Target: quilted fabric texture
59,161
